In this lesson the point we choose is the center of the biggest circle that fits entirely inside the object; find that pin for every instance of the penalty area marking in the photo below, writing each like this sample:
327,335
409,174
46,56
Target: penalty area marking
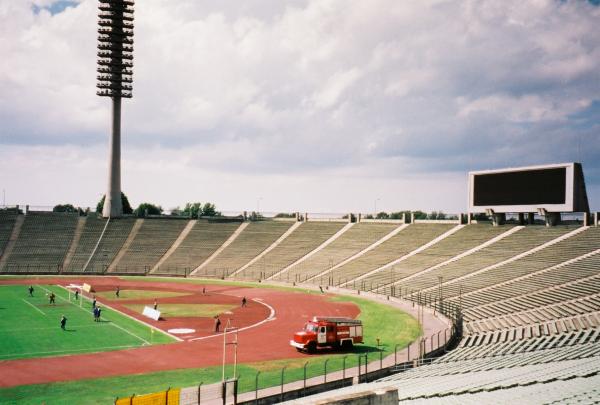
83,309
33,306
133,318
270,318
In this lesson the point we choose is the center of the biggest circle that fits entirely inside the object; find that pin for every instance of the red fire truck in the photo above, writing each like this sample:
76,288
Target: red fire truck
328,331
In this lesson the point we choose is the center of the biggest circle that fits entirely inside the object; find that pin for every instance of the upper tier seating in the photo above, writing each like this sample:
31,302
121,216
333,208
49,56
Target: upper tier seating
521,241
43,242
407,240
461,241
307,237
255,238
87,242
154,237
358,237
7,222
203,240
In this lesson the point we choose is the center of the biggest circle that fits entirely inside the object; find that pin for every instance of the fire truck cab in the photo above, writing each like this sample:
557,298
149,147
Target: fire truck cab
324,331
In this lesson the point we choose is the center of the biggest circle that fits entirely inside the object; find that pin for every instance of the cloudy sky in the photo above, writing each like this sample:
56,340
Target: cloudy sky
319,106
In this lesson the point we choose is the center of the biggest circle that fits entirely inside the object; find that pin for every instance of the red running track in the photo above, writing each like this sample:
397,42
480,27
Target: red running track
266,341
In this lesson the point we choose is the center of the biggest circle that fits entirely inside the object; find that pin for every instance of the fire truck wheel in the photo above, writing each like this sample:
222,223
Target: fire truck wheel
347,345
311,347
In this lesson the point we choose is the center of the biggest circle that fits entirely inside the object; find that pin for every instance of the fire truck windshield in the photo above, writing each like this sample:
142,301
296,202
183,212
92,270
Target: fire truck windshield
310,327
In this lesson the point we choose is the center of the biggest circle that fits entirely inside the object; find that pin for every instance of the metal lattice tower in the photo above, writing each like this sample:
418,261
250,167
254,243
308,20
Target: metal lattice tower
115,75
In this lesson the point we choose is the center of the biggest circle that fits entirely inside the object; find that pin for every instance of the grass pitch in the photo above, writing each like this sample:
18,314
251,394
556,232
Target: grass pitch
393,327
186,310
30,326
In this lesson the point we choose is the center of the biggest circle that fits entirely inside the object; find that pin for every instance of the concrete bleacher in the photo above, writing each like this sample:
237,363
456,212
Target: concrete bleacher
43,242
357,238
154,237
203,240
405,241
7,222
574,246
87,242
523,240
307,237
468,237
253,240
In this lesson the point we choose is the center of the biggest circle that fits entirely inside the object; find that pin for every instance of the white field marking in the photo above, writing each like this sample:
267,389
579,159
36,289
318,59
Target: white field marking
130,333
34,307
78,326
133,318
112,323
95,349
271,317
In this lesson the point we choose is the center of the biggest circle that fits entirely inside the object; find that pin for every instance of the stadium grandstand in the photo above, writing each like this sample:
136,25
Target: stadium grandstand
522,270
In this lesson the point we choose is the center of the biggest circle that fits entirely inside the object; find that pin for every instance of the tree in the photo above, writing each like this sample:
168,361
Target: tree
193,210
147,209
288,215
64,208
420,215
126,206
210,210
382,215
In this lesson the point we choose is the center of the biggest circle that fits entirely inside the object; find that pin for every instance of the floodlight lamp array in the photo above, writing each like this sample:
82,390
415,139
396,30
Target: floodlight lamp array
115,48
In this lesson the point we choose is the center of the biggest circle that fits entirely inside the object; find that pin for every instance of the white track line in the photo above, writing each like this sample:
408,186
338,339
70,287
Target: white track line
93,350
83,309
268,319
33,306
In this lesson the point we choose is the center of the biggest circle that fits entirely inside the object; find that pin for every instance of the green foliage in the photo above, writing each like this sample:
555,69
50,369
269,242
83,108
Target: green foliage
124,200
437,215
288,215
64,208
420,215
197,210
398,215
147,209
209,210
382,215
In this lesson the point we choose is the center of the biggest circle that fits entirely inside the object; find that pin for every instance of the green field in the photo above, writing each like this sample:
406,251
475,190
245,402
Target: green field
30,326
393,328
139,294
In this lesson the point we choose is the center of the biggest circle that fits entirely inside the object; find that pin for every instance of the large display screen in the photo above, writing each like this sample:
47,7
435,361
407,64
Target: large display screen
527,187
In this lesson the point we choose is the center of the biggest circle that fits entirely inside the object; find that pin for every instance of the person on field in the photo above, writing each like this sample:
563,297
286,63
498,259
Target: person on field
321,288
30,290
117,291
95,314
244,301
155,305
203,290
63,322
99,314
52,298
76,295
94,302
217,323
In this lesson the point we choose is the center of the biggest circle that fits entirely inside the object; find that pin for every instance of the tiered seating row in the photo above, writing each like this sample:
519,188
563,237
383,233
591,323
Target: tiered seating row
42,243
254,239
358,237
519,242
554,254
87,242
203,239
463,240
307,237
153,239
7,222
407,240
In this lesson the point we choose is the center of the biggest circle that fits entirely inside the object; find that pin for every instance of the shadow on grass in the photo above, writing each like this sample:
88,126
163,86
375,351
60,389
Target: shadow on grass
358,349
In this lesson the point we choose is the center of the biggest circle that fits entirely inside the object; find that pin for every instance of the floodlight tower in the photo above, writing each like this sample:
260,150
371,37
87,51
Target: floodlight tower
115,75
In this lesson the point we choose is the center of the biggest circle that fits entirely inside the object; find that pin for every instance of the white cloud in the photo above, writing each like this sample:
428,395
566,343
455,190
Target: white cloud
309,89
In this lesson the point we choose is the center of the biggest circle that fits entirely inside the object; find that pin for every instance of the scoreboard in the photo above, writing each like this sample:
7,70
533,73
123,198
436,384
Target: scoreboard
554,188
